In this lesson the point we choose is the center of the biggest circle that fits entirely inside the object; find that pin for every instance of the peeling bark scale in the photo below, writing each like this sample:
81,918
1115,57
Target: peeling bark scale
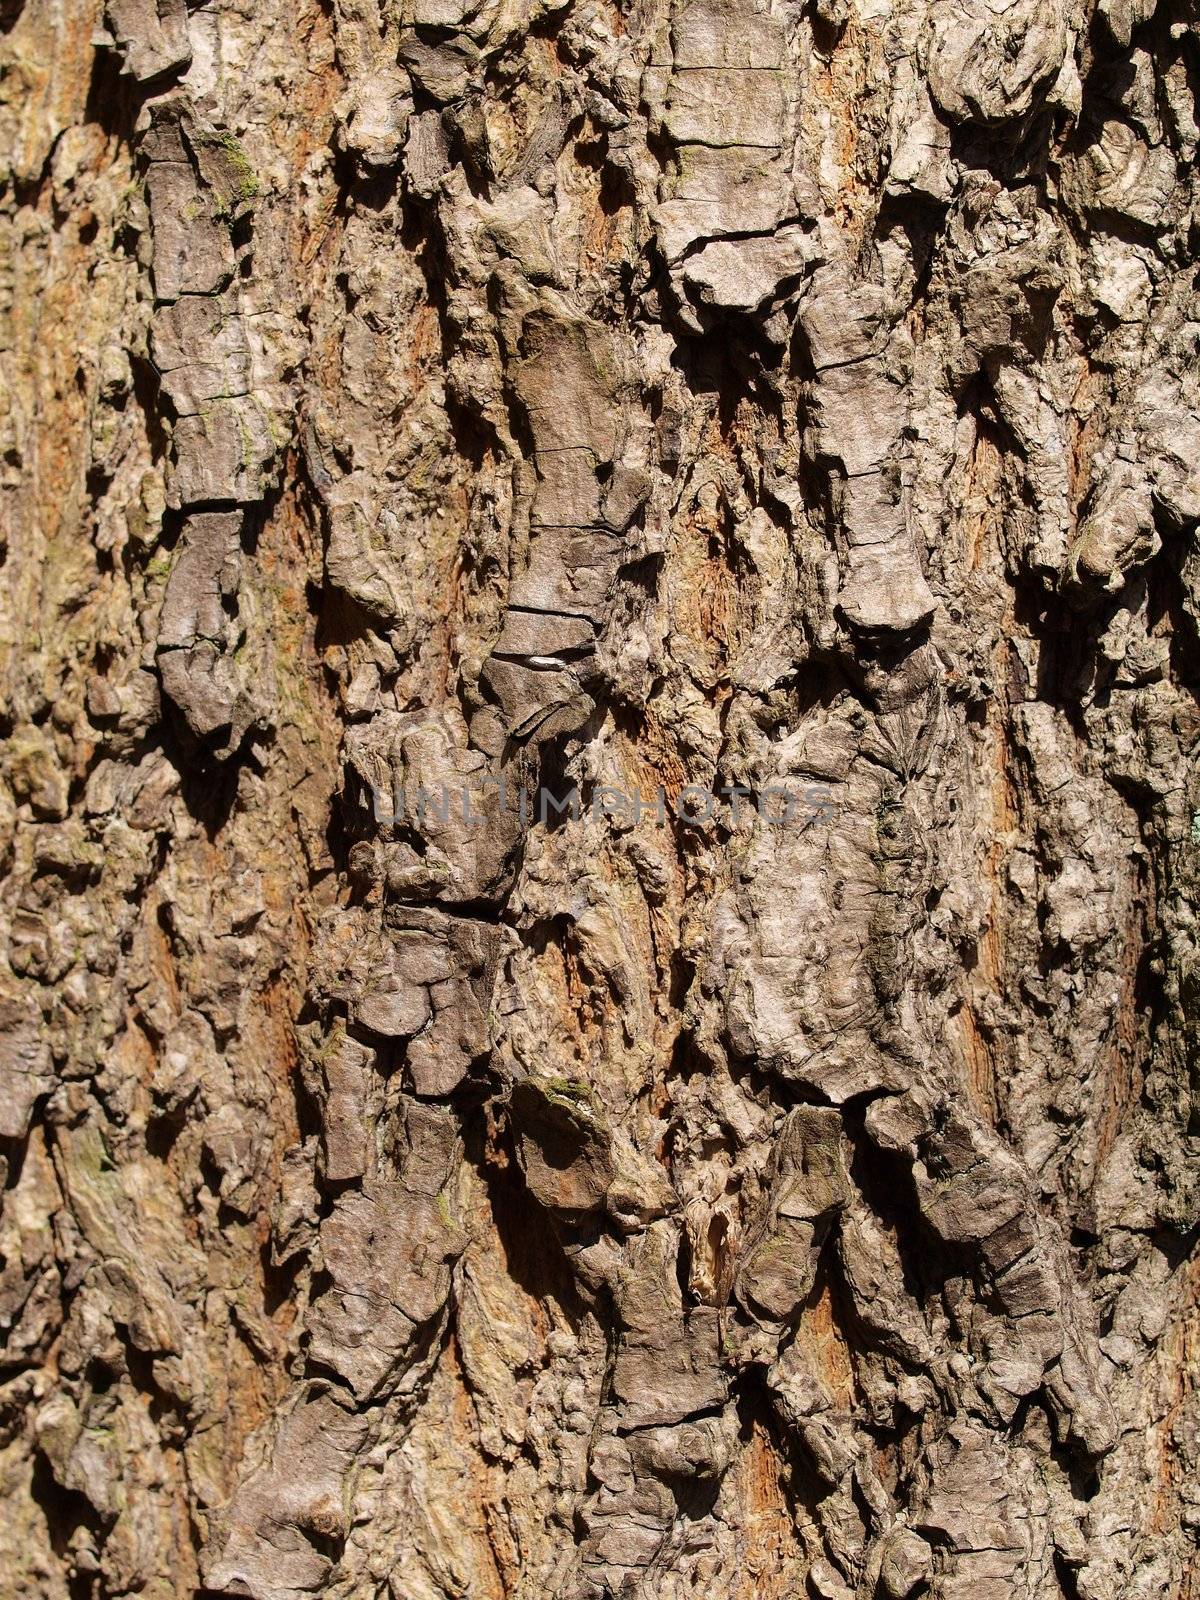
463,463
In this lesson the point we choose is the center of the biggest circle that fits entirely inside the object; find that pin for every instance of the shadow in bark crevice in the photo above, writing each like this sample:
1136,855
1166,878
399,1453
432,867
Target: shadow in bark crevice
529,1238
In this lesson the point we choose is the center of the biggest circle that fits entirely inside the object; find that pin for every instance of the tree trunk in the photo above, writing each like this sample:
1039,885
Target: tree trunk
600,642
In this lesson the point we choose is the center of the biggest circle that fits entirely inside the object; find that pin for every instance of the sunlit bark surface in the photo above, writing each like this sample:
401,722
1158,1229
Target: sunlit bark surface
599,964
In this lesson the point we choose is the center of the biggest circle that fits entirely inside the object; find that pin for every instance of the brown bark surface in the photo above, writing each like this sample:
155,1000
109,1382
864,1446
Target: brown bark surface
600,635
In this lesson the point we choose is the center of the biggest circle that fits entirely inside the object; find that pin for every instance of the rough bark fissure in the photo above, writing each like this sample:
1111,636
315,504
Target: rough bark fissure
704,401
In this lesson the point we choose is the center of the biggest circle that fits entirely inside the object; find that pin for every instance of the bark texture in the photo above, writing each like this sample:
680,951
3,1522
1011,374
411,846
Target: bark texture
671,397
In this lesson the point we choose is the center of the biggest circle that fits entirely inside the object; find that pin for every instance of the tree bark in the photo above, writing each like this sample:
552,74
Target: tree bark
600,638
